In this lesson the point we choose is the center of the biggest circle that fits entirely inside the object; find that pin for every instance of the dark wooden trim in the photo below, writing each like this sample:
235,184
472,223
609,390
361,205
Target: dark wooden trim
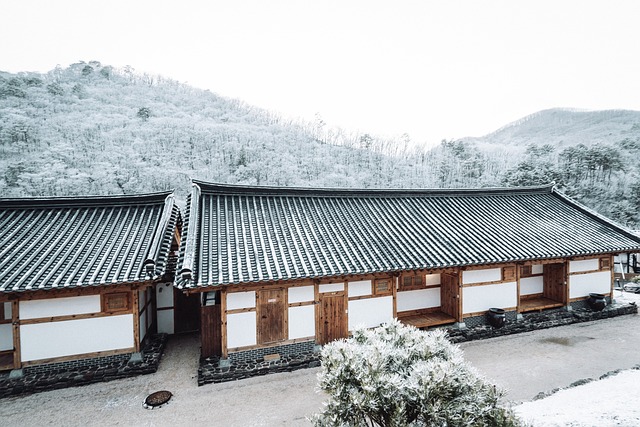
240,310
136,321
302,303
164,308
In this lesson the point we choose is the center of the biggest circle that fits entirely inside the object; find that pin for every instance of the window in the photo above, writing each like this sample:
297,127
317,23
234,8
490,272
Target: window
605,263
509,273
118,301
382,286
526,271
411,281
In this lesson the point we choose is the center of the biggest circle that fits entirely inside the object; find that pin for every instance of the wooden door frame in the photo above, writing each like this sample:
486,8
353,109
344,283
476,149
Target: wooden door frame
319,319
284,333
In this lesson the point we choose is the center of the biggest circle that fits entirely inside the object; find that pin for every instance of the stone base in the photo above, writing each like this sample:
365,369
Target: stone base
539,320
257,362
84,371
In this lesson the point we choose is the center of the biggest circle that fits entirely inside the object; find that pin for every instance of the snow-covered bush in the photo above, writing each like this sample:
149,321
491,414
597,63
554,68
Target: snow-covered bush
397,375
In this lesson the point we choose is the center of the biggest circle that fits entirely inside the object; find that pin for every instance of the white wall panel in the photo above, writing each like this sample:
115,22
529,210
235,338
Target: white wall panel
537,269
415,300
482,298
432,279
331,287
581,285
6,337
301,294
479,276
59,306
71,337
584,265
360,288
8,310
302,322
241,329
165,321
164,295
237,300
531,285
370,312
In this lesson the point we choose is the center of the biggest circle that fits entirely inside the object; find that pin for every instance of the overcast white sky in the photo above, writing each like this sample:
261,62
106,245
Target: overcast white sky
432,69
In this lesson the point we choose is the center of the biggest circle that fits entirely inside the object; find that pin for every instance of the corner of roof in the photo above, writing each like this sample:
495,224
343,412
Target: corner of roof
595,215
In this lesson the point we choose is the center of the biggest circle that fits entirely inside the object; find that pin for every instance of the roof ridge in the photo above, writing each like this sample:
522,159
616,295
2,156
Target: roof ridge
85,200
218,188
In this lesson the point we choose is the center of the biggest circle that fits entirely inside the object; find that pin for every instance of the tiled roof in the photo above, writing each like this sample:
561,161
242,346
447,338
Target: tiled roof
237,234
48,243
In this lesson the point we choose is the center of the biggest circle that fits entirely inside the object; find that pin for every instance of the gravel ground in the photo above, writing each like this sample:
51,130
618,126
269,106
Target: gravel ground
525,364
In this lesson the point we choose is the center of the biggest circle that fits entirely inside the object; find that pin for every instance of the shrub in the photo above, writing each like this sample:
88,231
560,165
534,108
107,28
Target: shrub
397,375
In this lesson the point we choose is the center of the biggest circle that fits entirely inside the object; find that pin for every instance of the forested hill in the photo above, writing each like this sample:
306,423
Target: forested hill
94,129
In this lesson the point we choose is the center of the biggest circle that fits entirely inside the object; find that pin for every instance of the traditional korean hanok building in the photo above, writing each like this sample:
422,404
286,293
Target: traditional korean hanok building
281,269
79,276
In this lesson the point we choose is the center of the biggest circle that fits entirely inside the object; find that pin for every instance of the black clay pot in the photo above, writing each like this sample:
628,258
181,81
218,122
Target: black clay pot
497,317
597,302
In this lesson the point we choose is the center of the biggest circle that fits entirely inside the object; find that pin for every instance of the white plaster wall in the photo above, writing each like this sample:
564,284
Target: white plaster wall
301,294
432,279
537,269
237,300
531,285
302,322
479,276
581,285
71,337
360,288
59,306
370,312
331,287
6,337
241,329
164,295
415,300
584,265
8,310
165,321
482,298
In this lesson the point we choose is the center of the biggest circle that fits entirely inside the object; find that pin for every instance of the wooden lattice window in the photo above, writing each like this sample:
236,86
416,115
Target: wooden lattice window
382,286
117,301
605,263
409,282
509,273
525,271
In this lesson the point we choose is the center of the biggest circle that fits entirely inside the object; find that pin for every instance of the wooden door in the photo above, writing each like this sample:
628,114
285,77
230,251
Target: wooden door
271,310
332,319
450,295
555,282
211,331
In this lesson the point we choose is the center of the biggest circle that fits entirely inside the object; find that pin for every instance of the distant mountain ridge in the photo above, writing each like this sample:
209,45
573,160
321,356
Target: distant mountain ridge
562,127
94,129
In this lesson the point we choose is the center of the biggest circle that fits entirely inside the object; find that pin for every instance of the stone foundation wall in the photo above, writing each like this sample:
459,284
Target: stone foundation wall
251,363
84,371
542,320
475,321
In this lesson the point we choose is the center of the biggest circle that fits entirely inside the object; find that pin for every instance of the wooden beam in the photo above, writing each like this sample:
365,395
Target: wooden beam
15,316
223,314
136,321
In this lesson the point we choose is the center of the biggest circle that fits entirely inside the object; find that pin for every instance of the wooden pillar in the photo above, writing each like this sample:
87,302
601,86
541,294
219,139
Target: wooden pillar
396,280
15,321
211,330
136,320
223,316
518,271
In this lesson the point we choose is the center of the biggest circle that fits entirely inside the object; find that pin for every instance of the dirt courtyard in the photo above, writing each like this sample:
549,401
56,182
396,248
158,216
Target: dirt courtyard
525,364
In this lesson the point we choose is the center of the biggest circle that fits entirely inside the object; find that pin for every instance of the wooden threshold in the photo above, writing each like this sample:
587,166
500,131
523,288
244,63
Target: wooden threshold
425,320
538,304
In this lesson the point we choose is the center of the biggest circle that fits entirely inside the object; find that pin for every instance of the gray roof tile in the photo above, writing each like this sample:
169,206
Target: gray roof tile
238,234
48,243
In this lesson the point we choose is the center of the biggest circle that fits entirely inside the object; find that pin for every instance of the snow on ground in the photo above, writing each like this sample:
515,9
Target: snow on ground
612,401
